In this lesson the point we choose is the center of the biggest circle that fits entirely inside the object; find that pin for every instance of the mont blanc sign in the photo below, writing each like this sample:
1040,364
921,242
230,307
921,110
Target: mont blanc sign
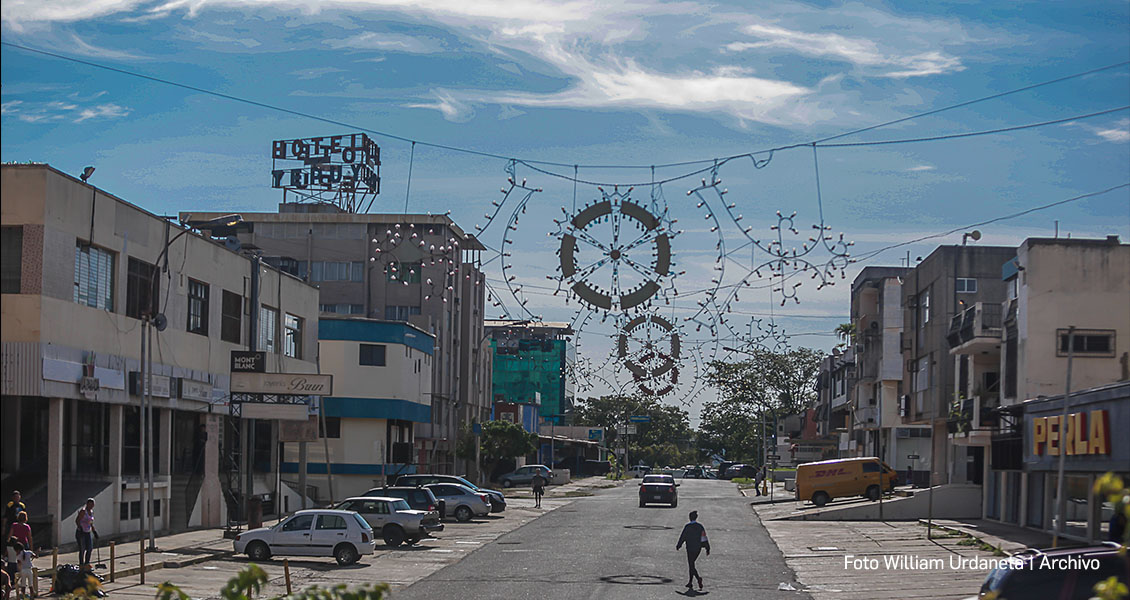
295,384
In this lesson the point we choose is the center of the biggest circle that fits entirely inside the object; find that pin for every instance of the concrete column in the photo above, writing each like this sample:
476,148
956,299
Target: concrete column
211,495
55,466
164,464
116,440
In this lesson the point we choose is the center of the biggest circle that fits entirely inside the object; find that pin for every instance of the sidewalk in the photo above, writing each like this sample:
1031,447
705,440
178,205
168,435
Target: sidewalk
888,559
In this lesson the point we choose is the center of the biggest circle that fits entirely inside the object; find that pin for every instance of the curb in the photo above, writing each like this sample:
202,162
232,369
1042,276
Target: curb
958,530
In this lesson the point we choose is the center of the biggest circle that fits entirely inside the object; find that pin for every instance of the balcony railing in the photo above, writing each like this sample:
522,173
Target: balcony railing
978,321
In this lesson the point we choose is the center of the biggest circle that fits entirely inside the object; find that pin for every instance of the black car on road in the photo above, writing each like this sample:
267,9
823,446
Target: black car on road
1056,574
658,489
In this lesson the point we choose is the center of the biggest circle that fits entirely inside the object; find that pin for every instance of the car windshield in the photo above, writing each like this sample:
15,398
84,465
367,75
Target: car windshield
400,505
466,483
362,522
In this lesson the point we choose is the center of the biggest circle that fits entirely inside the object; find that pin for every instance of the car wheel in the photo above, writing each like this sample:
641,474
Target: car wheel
642,504
393,535
463,514
675,504
820,498
346,554
258,551
506,483
873,493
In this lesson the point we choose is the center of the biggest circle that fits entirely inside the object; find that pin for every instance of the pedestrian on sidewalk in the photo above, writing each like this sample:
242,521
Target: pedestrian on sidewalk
759,479
24,566
22,531
11,511
85,532
10,567
538,483
694,536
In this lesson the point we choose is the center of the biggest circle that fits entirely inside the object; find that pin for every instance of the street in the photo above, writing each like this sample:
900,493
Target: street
605,546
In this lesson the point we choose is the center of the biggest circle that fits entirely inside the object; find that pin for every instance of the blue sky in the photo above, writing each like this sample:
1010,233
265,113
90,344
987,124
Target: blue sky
590,82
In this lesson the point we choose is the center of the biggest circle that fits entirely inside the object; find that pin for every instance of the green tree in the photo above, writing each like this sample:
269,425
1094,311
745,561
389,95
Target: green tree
769,384
667,425
502,440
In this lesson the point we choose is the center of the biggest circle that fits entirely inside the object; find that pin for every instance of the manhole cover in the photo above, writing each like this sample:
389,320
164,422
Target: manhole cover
648,527
636,579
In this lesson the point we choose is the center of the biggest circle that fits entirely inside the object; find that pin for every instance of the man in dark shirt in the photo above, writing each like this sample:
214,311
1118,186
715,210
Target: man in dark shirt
694,536
11,510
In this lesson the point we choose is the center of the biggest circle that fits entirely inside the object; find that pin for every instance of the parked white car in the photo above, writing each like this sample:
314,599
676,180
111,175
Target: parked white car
394,519
342,534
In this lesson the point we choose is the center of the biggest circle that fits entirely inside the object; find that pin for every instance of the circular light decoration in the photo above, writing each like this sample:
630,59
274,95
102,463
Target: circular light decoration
649,347
416,253
615,255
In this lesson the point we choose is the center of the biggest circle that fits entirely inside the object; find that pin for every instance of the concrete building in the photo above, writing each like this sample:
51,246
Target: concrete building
529,362
382,390
949,280
1016,353
835,387
420,269
81,271
877,317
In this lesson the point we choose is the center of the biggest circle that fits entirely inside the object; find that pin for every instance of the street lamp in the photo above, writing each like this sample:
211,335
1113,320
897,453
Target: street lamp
150,320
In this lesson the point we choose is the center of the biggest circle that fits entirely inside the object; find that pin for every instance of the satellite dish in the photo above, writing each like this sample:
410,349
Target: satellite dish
160,322
975,234
232,243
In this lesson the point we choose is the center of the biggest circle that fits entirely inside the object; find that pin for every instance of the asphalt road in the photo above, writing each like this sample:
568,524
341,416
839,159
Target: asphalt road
605,546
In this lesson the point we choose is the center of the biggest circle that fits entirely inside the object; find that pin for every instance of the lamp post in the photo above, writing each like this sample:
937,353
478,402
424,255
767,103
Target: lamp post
153,319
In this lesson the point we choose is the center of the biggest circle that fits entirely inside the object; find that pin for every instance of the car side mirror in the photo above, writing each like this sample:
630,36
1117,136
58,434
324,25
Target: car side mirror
678,484
640,484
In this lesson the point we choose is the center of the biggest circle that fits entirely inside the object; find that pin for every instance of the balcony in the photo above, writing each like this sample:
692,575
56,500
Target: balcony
971,421
977,329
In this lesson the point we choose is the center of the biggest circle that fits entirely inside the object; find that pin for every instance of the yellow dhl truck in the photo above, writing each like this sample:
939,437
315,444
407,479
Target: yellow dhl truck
822,481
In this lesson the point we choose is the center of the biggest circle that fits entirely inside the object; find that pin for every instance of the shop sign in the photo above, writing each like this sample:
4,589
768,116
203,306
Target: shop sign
195,390
246,361
88,387
297,384
162,385
1085,433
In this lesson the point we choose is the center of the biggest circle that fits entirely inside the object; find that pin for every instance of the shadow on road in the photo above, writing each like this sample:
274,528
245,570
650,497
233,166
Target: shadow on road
691,593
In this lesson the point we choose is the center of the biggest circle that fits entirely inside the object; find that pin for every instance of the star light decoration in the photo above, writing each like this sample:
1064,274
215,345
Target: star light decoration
823,257
615,255
420,253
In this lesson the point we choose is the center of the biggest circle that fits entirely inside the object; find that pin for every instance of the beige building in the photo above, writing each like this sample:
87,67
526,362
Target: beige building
81,269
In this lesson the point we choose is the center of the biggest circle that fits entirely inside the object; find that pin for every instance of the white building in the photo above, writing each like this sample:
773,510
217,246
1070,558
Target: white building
382,392
80,270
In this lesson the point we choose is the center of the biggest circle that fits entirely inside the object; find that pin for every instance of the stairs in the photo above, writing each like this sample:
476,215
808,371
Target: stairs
184,491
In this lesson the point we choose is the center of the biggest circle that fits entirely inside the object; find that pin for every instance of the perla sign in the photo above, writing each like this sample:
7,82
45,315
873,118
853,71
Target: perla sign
1085,433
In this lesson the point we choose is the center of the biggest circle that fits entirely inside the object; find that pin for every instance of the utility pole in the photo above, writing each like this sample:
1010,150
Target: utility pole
142,450
149,426
1059,498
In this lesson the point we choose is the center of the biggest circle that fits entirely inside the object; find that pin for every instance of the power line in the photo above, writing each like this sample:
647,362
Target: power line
713,162
873,253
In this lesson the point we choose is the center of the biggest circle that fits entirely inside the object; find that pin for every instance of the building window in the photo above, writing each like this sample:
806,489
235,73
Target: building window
965,285
372,355
405,272
268,329
142,289
11,259
342,309
94,277
331,428
336,271
400,313
231,317
1089,342
292,340
925,307
197,307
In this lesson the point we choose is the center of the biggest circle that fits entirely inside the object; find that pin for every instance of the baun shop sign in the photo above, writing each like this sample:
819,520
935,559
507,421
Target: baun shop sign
297,384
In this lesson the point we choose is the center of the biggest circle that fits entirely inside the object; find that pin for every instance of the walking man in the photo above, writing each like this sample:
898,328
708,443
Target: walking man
538,483
694,536
758,479
11,511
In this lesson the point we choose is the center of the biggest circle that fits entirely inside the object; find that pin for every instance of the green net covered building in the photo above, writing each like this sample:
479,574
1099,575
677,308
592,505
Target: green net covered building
530,365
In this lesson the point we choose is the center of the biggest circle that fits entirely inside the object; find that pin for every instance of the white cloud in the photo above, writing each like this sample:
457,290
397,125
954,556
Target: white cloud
315,73
389,42
919,168
221,39
11,107
858,51
451,108
102,111
87,49
1120,132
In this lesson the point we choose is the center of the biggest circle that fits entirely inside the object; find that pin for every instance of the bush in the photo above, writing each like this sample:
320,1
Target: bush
249,581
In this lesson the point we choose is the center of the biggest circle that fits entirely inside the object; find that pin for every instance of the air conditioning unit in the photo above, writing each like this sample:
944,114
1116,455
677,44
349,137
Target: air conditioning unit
912,301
